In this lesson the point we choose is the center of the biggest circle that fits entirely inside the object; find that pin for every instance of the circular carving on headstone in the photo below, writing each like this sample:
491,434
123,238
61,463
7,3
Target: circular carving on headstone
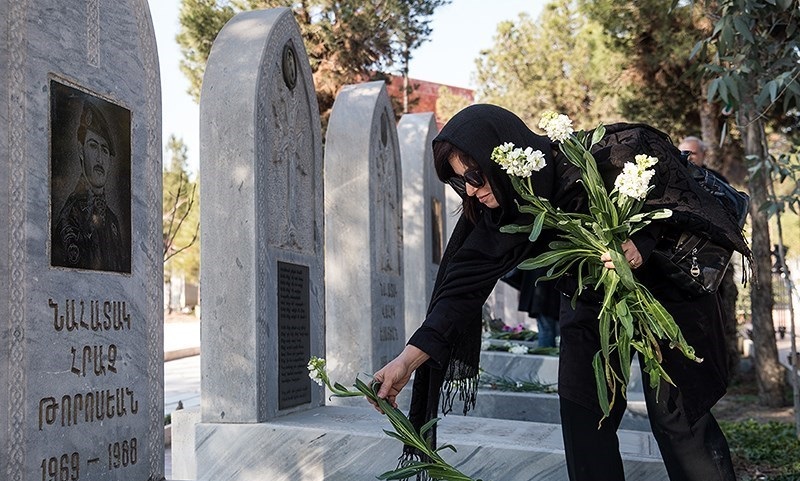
384,129
289,65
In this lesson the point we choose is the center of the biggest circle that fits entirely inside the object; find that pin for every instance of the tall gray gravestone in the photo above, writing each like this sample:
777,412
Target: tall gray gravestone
262,258
423,214
81,320
363,233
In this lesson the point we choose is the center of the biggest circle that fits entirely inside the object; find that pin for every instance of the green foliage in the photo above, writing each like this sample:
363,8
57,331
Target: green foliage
347,41
656,86
769,447
180,216
558,62
448,103
201,21
752,57
753,54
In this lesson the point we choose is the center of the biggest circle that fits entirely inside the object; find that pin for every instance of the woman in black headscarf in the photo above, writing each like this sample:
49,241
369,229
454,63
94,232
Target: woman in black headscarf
445,351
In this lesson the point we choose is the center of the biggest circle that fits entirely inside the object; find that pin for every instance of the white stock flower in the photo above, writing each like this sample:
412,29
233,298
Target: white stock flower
645,161
518,349
634,180
557,126
517,161
315,368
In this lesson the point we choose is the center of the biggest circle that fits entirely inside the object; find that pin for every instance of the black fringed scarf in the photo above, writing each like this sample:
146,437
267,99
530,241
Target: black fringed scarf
477,255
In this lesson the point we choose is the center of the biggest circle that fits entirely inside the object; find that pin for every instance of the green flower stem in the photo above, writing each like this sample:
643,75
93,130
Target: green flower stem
630,317
436,467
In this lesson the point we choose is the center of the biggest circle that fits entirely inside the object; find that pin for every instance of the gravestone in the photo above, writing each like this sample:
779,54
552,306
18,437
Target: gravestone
423,215
262,237
363,233
81,356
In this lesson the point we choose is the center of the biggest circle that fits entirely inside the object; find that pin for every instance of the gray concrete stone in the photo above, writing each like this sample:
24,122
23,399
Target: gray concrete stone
363,233
543,407
81,361
262,258
184,463
423,215
337,443
534,367
503,302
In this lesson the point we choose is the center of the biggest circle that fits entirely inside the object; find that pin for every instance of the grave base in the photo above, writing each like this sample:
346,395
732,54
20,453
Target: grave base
339,443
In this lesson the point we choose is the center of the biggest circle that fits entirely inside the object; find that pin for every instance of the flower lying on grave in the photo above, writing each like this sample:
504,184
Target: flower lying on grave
502,383
435,466
516,348
517,333
630,319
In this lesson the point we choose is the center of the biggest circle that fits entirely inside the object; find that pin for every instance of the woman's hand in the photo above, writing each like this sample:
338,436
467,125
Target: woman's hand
631,253
395,375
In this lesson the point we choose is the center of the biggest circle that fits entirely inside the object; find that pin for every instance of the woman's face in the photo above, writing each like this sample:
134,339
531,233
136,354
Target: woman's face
483,193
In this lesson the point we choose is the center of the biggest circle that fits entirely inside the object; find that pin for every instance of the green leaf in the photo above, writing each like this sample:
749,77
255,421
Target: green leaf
600,381
713,87
622,268
515,228
427,427
598,134
624,316
743,29
536,230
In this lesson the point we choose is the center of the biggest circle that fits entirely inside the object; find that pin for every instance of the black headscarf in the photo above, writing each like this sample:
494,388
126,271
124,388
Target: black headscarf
477,255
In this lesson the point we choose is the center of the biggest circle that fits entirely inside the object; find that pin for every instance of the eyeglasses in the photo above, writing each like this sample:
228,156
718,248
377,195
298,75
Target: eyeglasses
472,177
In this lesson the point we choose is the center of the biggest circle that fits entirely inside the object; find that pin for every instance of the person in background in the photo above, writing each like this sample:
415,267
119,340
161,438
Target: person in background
542,301
696,149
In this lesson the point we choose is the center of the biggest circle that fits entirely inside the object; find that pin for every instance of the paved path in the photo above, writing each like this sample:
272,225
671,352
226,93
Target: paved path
181,375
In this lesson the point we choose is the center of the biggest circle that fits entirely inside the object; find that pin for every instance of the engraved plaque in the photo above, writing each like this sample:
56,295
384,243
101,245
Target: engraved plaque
90,167
294,343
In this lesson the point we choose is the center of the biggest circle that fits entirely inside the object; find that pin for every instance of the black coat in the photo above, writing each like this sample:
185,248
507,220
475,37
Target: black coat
477,255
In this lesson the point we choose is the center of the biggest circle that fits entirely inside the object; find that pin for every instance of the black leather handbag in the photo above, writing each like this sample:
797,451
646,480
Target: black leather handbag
693,262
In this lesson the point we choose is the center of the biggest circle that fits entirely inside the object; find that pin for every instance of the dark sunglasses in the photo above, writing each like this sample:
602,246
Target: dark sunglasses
472,177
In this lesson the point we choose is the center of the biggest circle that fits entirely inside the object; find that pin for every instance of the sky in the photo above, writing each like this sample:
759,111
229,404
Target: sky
460,31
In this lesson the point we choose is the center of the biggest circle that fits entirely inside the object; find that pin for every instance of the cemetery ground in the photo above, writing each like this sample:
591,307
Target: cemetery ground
761,437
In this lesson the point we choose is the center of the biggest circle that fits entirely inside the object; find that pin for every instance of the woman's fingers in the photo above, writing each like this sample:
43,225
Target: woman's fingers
631,253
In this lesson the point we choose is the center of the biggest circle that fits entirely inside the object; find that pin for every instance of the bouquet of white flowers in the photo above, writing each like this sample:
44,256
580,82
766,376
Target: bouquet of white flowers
630,317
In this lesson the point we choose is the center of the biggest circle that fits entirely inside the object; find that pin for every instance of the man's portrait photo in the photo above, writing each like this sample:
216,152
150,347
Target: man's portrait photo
90,181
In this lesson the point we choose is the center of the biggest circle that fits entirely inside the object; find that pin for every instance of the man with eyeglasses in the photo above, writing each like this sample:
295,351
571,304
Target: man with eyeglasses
695,149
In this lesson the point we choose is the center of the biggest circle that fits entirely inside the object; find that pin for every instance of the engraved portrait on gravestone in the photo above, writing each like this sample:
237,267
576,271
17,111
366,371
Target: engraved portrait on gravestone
90,181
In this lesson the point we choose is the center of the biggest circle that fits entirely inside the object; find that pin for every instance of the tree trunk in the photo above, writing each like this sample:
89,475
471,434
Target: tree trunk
728,292
769,372
709,131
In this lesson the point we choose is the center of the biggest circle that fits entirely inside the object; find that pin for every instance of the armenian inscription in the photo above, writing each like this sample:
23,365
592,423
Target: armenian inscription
95,391
294,329
388,335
